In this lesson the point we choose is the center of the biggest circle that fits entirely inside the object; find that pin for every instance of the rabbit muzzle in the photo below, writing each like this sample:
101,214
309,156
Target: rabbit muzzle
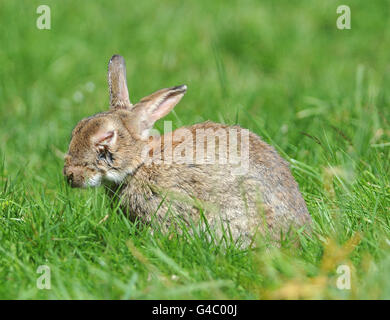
78,177
74,176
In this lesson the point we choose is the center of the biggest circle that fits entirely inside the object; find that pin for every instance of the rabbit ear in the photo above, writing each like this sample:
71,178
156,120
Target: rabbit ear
155,106
104,138
119,95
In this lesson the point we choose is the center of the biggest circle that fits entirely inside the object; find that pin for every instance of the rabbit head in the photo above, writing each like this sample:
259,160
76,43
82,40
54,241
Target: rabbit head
108,146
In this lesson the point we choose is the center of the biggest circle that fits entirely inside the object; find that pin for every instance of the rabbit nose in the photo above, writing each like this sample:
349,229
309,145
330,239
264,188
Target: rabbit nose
74,177
69,178
68,173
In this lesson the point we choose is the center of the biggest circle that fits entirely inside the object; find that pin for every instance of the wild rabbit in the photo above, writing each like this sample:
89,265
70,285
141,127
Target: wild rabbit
245,188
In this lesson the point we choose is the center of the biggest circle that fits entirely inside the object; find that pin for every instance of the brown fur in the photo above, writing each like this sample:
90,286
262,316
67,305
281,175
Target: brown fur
265,199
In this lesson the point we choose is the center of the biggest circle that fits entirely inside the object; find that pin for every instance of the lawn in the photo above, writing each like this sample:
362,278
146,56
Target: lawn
283,69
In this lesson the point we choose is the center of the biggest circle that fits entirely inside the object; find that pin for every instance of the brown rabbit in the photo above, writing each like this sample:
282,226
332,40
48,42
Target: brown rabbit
227,173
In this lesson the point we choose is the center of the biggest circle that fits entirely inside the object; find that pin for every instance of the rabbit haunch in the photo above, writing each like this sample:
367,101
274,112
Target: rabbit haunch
176,176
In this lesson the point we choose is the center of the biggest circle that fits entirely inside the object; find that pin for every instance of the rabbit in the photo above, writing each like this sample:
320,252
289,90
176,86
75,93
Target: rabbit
120,149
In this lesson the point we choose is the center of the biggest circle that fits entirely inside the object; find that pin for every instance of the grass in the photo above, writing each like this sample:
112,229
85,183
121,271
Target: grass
318,94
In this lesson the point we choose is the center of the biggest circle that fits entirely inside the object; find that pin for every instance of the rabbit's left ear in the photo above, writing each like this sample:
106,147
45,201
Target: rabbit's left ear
119,95
155,106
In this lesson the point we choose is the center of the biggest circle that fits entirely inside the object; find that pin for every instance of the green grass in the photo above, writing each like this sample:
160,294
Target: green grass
318,94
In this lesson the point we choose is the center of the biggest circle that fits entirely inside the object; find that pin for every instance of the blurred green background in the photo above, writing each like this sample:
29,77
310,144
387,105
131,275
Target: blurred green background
282,69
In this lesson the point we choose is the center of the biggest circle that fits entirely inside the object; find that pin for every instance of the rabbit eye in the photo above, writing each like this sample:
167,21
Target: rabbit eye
105,156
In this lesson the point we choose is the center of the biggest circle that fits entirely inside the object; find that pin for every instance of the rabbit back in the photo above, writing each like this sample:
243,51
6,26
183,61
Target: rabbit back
265,199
